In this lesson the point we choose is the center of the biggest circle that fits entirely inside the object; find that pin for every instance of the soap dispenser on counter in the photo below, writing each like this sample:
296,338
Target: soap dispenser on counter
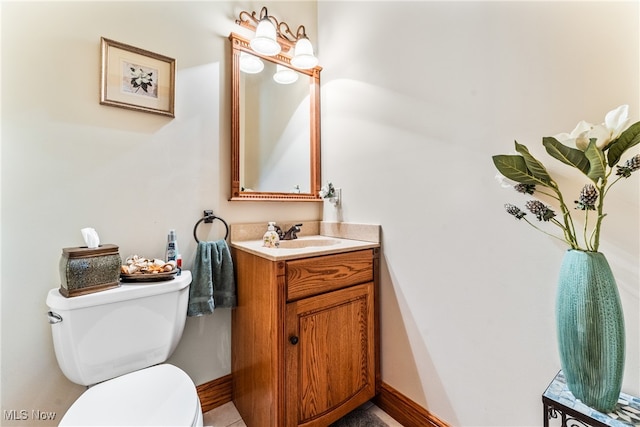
271,238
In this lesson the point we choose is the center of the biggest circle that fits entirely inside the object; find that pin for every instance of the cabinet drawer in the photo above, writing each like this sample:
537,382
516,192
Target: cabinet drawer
313,276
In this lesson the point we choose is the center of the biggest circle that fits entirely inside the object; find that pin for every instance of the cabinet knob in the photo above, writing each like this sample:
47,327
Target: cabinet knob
293,340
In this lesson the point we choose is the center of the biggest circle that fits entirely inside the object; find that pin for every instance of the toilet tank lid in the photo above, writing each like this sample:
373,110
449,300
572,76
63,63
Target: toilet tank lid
127,291
162,395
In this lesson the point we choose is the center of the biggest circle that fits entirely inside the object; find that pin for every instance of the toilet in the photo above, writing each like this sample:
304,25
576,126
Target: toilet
116,342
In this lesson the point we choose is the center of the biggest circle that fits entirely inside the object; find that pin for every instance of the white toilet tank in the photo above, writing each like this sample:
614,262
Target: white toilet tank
106,334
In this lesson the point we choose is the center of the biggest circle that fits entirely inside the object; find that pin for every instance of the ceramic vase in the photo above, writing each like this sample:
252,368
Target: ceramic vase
590,329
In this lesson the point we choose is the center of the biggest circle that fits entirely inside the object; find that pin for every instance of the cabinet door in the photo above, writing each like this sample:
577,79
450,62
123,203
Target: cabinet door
329,348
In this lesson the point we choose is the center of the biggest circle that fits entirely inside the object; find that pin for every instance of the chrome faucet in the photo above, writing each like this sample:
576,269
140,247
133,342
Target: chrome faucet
290,234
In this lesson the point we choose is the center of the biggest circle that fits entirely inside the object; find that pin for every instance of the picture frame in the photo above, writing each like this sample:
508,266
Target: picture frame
136,79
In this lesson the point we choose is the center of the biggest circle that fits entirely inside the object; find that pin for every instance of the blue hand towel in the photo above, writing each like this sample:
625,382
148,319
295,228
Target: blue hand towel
213,282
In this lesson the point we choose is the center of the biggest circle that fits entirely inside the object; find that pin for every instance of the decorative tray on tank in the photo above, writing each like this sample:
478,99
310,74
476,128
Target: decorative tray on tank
141,269
148,277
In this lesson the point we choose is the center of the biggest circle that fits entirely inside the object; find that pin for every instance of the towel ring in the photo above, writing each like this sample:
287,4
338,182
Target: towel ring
208,218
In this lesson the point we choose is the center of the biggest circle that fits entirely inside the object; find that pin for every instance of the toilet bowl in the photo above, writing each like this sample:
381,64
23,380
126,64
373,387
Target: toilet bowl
162,395
116,342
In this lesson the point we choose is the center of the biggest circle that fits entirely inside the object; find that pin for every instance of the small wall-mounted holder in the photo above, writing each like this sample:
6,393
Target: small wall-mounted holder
331,194
335,200
208,218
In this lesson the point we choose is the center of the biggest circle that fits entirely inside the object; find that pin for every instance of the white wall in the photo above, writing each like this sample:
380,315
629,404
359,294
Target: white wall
69,163
417,97
468,293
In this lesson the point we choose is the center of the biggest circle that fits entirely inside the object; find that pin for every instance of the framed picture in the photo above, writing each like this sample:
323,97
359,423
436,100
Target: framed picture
136,79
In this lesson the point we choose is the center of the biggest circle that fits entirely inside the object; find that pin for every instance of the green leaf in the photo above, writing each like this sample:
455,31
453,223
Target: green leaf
597,163
626,140
515,168
568,155
534,166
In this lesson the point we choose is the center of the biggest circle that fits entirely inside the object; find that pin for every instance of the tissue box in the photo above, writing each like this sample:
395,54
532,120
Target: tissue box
85,270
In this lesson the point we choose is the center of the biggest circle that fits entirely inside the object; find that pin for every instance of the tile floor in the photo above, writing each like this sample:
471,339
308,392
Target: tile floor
227,416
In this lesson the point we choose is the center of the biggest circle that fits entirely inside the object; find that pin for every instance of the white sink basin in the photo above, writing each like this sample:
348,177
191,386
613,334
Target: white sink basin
303,242
303,246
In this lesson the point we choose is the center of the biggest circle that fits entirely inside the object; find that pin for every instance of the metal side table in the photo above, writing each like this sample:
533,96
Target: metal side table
561,408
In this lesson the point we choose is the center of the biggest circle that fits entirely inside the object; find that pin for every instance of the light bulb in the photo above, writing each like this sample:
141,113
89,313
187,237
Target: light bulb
303,57
265,40
250,64
285,75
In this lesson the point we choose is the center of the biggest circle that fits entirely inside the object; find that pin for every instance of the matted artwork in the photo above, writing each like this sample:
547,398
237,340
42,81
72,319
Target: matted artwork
136,79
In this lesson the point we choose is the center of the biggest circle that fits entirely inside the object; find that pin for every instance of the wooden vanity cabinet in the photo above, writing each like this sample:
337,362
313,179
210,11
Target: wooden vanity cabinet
304,338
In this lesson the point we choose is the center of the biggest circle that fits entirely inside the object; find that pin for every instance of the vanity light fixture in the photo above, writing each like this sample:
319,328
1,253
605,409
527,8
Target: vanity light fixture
265,40
250,64
272,37
285,75
303,52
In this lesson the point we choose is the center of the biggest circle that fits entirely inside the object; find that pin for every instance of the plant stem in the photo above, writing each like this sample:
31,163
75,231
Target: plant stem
592,237
586,222
570,232
548,234
553,196
611,185
596,230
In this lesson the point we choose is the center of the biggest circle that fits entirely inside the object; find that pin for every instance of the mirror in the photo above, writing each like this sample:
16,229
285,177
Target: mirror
275,129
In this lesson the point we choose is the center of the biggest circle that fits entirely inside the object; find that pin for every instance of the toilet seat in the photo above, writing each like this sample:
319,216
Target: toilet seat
161,395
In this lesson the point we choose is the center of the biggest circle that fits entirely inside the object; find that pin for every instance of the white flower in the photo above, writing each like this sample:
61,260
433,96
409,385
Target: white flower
615,122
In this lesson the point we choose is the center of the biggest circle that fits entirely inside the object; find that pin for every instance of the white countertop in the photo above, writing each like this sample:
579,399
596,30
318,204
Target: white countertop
280,254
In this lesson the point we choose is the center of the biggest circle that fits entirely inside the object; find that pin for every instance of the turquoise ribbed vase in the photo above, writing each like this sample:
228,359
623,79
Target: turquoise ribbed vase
590,329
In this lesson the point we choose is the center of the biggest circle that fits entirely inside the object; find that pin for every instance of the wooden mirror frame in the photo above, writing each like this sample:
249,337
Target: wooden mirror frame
238,45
